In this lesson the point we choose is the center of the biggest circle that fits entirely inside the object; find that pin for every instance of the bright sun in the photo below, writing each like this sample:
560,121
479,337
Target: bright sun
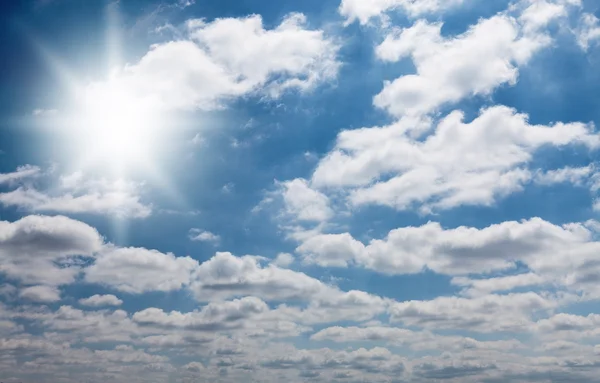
116,128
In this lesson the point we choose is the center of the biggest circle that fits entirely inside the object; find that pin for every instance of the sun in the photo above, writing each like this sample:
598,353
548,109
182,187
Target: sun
115,128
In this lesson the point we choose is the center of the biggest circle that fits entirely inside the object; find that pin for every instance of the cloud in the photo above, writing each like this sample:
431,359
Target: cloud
479,287
588,31
575,176
283,260
119,268
490,313
229,58
473,63
42,294
22,172
225,275
203,236
457,164
97,300
363,11
33,249
80,195
464,251
213,317
304,203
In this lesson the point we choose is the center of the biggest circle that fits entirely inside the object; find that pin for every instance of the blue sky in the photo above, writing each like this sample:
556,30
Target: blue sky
335,191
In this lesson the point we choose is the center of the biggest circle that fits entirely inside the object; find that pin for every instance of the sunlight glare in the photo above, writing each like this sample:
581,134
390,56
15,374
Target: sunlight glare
118,129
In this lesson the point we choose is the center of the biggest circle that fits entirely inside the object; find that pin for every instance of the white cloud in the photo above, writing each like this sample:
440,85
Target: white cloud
225,275
538,244
283,260
39,249
479,287
101,300
203,236
119,268
22,172
490,313
42,294
575,176
457,164
78,194
213,317
474,63
304,203
588,31
231,57
364,10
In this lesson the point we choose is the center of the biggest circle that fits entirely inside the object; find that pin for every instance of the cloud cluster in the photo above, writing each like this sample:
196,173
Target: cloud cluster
228,58
148,315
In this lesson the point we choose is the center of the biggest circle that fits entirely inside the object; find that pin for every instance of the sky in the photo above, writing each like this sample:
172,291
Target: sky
299,191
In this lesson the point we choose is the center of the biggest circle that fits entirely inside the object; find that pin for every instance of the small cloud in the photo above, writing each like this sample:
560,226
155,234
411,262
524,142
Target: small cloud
101,300
283,260
203,236
197,140
40,294
228,188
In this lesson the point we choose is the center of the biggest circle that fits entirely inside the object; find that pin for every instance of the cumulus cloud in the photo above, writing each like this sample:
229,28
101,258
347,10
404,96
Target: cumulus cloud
474,63
490,313
467,250
42,294
98,300
203,236
33,248
78,195
213,317
305,203
283,260
363,11
228,58
119,268
457,164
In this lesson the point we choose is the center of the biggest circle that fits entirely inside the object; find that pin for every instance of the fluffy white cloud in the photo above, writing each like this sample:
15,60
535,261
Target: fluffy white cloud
283,260
457,164
479,287
77,195
227,58
42,294
561,255
474,63
575,176
213,317
416,340
225,276
34,248
98,300
305,203
120,268
490,313
363,11
203,236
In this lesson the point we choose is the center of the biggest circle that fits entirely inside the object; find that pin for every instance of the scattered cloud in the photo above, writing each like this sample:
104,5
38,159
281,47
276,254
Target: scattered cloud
43,294
101,300
203,236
